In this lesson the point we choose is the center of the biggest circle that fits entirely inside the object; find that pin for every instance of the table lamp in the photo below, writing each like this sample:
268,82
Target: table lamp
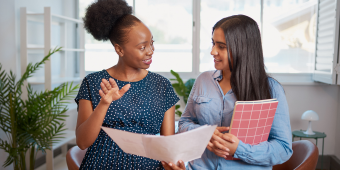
310,115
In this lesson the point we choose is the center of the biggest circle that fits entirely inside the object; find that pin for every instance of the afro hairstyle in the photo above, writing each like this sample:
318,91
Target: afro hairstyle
104,19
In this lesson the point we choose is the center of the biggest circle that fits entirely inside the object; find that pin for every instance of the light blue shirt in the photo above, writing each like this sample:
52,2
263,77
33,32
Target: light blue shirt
207,104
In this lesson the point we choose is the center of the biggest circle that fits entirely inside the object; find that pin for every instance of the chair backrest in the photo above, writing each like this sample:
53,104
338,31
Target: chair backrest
74,157
305,157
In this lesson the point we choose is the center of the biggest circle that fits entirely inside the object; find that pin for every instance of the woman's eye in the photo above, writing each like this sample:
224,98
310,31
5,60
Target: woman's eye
222,46
152,42
143,48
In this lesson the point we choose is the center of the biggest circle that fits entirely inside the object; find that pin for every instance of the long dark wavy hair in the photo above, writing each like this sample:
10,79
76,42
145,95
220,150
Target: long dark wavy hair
249,80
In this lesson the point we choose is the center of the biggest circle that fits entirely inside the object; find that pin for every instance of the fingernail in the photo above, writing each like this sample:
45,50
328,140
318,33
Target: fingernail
180,161
227,154
233,140
227,150
170,164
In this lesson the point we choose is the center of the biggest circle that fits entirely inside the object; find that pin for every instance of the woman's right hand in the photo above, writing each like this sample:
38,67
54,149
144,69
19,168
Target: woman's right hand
110,91
171,166
217,143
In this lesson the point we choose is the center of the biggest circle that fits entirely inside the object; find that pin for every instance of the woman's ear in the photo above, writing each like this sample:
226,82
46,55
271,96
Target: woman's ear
119,50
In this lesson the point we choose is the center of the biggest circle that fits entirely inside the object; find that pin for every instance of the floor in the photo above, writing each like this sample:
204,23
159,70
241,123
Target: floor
59,164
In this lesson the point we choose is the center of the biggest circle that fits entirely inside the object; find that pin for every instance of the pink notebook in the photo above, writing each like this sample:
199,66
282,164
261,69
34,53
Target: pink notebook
252,121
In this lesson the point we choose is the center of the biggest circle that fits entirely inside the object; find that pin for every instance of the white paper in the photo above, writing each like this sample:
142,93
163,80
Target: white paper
128,141
185,146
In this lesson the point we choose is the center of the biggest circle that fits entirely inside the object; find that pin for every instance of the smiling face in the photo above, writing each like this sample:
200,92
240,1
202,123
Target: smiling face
219,50
138,50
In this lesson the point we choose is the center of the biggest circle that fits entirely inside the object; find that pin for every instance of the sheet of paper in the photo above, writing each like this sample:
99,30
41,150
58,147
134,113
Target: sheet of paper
130,142
185,146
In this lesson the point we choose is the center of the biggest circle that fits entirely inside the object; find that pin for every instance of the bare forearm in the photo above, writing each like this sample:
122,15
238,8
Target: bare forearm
168,124
88,131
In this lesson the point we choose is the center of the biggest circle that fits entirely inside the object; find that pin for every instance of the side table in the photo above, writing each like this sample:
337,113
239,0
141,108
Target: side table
316,136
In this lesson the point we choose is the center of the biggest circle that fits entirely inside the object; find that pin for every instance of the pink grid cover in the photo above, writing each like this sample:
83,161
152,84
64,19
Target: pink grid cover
252,121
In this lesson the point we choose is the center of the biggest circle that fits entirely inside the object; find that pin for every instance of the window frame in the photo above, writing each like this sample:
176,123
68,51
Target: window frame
283,78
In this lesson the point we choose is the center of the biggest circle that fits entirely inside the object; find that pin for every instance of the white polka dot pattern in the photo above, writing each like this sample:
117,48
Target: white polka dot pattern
140,110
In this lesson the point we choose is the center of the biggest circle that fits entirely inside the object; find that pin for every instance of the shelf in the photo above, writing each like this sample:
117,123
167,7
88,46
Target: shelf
48,19
73,49
41,47
67,18
41,80
35,47
68,136
56,18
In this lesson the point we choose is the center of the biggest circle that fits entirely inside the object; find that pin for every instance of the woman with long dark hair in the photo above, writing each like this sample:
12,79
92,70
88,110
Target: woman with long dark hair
126,96
240,75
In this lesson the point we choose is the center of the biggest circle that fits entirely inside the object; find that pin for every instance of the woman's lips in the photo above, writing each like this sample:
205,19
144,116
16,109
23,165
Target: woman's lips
216,61
147,61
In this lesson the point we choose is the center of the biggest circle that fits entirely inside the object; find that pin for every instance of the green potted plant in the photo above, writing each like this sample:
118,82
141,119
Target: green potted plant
32,124
182,89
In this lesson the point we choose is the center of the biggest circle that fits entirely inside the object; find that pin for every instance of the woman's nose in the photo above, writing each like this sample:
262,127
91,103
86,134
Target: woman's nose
150,50
213,51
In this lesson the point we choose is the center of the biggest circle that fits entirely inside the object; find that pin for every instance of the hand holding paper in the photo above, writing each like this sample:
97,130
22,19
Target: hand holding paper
185,146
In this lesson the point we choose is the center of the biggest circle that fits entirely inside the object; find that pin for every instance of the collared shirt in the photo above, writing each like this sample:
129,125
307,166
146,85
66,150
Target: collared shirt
207,104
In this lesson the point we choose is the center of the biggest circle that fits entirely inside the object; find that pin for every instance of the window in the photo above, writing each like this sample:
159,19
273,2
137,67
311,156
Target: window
182,30
289,35
213,11
170,22
97,51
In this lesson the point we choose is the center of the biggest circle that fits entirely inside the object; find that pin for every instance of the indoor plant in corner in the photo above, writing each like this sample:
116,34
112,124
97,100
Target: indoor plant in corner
32,124
182,89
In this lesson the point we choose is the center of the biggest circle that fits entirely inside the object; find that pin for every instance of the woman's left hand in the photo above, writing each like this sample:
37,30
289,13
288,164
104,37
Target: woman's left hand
223,141
171,166
231,146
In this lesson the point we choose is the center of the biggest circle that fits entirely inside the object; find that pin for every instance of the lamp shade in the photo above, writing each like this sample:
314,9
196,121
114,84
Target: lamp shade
310,115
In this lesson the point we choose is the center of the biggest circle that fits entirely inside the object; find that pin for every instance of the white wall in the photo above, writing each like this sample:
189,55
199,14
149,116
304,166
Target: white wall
337,131
7,34
323,99
7,51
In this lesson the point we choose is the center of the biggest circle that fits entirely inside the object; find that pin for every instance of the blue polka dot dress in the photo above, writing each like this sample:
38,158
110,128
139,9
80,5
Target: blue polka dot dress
140,110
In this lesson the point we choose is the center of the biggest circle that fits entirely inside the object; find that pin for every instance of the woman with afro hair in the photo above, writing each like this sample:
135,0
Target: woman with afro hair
126,96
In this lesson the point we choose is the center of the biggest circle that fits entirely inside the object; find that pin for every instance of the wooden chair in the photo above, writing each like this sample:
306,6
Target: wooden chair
74,157
305,157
